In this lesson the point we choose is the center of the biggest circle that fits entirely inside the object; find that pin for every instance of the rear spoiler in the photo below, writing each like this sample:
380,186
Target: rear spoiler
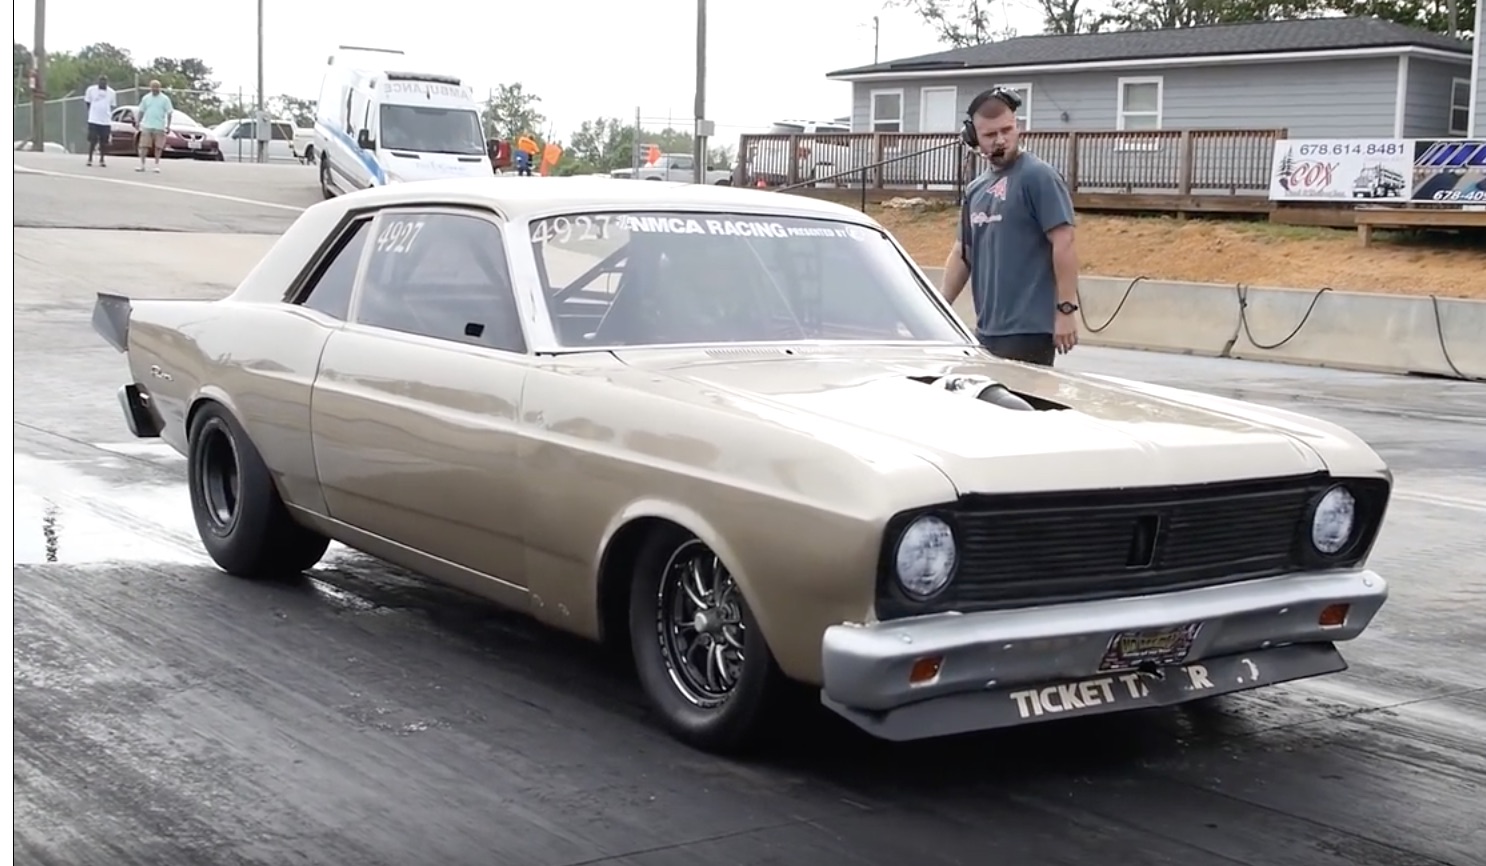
111,319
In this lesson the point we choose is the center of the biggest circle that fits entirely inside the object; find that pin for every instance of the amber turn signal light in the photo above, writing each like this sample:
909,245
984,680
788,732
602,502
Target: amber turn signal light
1333,615
925,670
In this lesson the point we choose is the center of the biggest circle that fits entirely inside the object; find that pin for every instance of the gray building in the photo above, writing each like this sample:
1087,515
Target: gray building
1478,76
1317,78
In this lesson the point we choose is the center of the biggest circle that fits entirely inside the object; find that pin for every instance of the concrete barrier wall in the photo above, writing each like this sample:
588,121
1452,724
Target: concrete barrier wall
1349,330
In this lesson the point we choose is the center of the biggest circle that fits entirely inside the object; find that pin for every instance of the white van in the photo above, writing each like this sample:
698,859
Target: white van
380,122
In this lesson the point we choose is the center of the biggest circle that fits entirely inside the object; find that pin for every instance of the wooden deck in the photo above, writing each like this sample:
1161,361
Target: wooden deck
1181,171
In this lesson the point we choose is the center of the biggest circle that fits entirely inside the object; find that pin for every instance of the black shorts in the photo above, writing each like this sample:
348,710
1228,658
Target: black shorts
1031,348
99,133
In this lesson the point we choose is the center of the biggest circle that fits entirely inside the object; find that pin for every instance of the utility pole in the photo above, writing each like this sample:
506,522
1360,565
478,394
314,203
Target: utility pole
261,127
38,82
876,33
699,131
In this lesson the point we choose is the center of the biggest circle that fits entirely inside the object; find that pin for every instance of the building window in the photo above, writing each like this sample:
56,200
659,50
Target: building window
1139,103
887,111
1024,114
1460,106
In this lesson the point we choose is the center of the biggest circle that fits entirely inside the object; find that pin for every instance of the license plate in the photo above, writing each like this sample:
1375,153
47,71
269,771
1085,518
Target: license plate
1158,646
194,144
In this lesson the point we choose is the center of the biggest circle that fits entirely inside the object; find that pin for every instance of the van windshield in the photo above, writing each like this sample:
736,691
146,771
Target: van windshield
428,129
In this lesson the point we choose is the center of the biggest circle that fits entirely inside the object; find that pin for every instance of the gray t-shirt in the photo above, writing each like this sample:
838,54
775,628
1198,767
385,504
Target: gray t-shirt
1003,231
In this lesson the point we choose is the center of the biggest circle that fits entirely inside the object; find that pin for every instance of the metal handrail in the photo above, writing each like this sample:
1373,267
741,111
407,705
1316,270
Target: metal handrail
866,168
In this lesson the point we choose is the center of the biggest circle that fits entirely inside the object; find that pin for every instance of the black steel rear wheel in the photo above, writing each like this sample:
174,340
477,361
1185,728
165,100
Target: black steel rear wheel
243,523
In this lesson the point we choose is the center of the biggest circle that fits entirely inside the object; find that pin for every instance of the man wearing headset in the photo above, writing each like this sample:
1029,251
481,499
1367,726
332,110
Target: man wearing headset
1015,245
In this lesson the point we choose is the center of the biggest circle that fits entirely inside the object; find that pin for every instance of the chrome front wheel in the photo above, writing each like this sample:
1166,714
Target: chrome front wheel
699,654
699,623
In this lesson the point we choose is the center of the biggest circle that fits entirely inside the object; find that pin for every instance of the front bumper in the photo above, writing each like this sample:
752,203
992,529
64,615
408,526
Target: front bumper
950,673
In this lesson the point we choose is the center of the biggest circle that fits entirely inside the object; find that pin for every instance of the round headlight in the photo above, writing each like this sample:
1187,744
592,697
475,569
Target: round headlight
925,557
1336,514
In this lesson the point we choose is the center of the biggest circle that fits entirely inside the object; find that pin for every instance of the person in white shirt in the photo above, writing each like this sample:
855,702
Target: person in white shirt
101,101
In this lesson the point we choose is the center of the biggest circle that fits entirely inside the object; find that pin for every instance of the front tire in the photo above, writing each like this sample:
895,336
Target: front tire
242,522
698,650
325,178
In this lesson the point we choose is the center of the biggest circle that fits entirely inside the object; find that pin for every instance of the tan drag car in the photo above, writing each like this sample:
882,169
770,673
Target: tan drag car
739,434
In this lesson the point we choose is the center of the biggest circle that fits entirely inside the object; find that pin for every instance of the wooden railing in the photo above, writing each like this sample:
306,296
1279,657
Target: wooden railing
1188,163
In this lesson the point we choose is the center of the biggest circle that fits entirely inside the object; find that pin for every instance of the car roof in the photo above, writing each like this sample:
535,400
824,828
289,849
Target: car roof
520,198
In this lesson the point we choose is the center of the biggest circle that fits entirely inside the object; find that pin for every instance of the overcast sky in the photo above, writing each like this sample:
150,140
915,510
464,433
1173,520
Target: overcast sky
767,59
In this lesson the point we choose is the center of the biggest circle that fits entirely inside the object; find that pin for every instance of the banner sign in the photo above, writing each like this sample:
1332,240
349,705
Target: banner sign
1322,169
1449,171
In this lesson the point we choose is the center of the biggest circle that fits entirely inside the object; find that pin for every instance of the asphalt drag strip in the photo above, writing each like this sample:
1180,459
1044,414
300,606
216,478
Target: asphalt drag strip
168,714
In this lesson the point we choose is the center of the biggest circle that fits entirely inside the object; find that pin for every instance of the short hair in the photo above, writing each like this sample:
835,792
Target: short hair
991,104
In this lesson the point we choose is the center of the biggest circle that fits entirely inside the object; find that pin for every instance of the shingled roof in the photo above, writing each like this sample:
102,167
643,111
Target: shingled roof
1269,37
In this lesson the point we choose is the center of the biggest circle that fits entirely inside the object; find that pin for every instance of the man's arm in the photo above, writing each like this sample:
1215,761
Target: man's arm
1053,207
957,265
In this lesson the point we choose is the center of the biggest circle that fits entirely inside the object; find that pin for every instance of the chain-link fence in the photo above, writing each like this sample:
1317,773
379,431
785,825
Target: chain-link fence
65,120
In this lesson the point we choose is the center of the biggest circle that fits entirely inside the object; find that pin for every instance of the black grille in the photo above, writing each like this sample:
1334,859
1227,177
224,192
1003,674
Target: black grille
1043,548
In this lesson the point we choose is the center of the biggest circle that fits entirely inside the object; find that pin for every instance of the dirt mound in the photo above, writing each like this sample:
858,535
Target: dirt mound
1254,253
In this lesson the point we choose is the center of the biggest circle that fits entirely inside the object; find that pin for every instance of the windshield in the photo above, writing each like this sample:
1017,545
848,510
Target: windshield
655,278
427,129
181,118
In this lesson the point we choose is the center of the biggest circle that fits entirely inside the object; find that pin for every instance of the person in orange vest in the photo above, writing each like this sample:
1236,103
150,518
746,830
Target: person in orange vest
526,154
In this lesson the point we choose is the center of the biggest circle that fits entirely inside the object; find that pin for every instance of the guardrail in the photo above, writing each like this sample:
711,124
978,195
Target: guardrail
1134,169
1411,334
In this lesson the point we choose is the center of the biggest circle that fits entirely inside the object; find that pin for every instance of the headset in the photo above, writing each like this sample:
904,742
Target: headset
1007,97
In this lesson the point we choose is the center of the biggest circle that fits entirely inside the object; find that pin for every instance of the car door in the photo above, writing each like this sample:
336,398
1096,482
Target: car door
122,136
416,406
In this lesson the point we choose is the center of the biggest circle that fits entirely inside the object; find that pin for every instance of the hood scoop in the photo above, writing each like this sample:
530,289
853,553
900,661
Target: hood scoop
988,390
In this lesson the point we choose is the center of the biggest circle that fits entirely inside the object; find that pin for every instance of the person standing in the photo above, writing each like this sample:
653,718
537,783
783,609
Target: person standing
101,101
526,154
155,110
1015,245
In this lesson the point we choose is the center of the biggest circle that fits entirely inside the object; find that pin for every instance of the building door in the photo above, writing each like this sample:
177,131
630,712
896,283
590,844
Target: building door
939,110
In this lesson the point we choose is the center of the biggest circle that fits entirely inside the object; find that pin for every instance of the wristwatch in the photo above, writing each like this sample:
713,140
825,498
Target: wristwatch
1067,308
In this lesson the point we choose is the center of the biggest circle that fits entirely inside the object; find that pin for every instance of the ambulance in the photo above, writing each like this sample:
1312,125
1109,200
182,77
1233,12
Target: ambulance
381,120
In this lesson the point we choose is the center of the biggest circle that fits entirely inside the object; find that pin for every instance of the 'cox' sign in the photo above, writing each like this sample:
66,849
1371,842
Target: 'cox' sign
1310,175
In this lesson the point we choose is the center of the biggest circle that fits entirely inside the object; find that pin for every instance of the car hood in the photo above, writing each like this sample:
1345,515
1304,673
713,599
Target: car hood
1102,433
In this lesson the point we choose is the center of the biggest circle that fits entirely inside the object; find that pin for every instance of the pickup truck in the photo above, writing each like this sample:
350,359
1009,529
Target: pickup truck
675,167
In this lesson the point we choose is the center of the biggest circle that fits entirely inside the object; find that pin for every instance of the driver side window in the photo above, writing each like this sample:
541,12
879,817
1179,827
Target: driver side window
442,275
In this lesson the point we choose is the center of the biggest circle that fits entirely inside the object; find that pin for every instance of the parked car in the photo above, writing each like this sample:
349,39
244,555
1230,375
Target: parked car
678,167
238,139
742,436
186,139
303,144
824,151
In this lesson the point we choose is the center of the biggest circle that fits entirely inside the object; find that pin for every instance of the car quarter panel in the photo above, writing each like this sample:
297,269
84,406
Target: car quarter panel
796,516
257,360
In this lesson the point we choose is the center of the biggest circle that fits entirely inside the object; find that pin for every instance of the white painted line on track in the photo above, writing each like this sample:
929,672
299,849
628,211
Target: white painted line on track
182,190
1439,499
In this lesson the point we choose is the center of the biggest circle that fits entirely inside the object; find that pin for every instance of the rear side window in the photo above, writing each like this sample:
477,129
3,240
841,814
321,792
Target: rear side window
330,289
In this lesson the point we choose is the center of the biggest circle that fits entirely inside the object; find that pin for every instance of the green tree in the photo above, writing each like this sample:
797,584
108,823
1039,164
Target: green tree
510,111
22,77
193,90
958,23
301,111
1432,15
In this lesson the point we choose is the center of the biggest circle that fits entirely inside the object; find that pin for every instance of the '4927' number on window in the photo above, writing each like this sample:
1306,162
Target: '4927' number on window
398,236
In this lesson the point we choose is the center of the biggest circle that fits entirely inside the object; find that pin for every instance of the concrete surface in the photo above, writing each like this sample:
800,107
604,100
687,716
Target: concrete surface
168,714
